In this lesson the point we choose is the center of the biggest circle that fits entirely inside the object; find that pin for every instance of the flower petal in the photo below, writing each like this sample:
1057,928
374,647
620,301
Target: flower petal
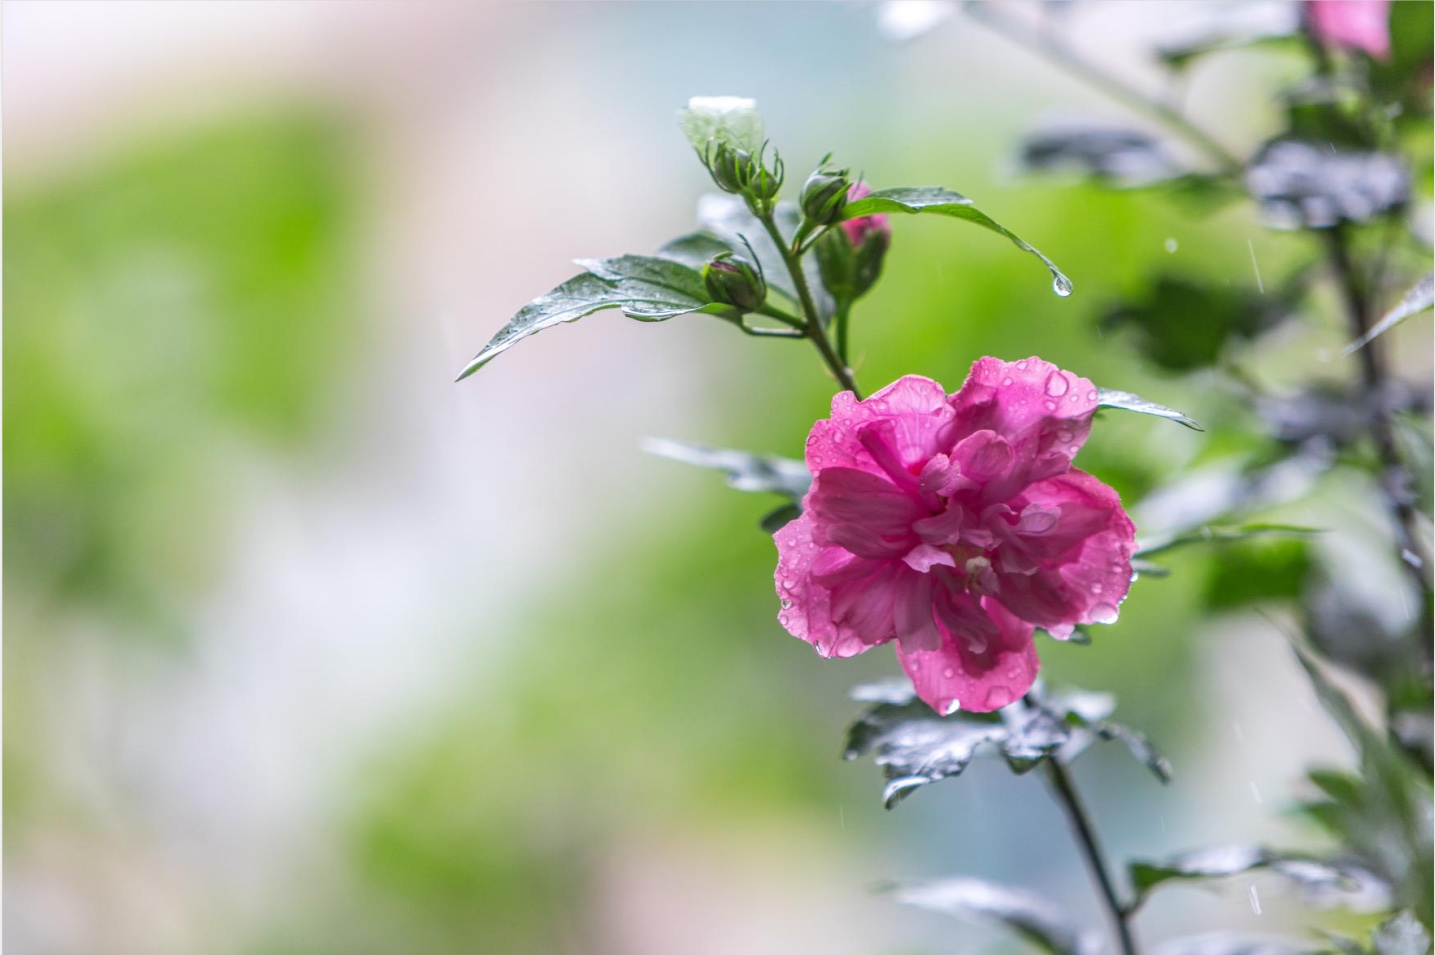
1078,570
955,675
917,407
1043,412
803,577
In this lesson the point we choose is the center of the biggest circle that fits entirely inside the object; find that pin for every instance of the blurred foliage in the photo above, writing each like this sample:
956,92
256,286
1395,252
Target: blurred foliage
159,307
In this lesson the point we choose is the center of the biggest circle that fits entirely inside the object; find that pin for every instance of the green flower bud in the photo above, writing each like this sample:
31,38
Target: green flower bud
734,281
823,196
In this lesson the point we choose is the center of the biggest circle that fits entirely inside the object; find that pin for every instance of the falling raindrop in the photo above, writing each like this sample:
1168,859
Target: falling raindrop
1171,245
1255,901
1060,284
1412,558
1256,794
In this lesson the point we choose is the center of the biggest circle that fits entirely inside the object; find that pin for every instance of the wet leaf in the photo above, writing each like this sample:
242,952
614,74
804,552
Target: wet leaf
1218,534
778,518
695,249
1126,401
1420,297
944,202
646,288
1124,157
1314,186
1321,881
1401,934
745,470
1028,915
915,747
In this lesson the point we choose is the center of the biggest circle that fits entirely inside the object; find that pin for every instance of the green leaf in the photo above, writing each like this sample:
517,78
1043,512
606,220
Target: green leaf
695,250
1218,534
1028,915
1420,297
1126,401
646,288
1321,881
915,747
944,202
745,470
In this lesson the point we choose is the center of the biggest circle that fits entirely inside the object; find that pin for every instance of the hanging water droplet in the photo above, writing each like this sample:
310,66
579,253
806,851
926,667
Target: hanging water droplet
1056,384
1103,613
786,604
1060,284
952,707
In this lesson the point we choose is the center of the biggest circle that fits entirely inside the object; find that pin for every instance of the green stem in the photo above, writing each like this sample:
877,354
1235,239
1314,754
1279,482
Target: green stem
1076,814
813,327
844,309
1395,478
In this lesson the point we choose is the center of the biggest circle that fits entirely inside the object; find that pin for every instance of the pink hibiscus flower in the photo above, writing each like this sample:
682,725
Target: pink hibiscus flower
1352,24
955,525
858,229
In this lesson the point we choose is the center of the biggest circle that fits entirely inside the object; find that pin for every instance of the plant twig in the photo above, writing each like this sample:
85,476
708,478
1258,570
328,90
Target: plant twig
1062,55
1076,814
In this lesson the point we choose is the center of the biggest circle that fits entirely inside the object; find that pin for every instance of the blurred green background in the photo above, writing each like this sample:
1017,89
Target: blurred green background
309,650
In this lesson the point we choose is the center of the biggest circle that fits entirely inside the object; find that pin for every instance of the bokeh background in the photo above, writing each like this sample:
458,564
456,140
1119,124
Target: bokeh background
310,650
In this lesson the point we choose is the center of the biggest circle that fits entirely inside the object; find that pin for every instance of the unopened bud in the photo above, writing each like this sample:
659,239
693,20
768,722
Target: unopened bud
823,196
733,280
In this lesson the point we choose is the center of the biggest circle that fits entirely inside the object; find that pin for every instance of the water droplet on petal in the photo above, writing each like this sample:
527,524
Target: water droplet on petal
1056,384
786,604
1063,436
1096,588
1091,395
1060,284
1103,613
1050,405
1021,365
948,673
1006,382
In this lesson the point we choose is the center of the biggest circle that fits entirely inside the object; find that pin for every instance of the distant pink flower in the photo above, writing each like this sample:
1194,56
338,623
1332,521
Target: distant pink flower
858,229
1352,24
955,525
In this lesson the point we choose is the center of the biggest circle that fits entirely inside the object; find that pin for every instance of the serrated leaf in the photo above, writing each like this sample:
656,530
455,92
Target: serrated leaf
1139,746
646,288
1418,299
914,746
1126,401
944,202
1217,534
745,470
1402,934
1028,915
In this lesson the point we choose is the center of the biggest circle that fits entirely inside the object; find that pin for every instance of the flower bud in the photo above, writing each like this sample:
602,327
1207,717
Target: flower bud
733,280
863,226
823,196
